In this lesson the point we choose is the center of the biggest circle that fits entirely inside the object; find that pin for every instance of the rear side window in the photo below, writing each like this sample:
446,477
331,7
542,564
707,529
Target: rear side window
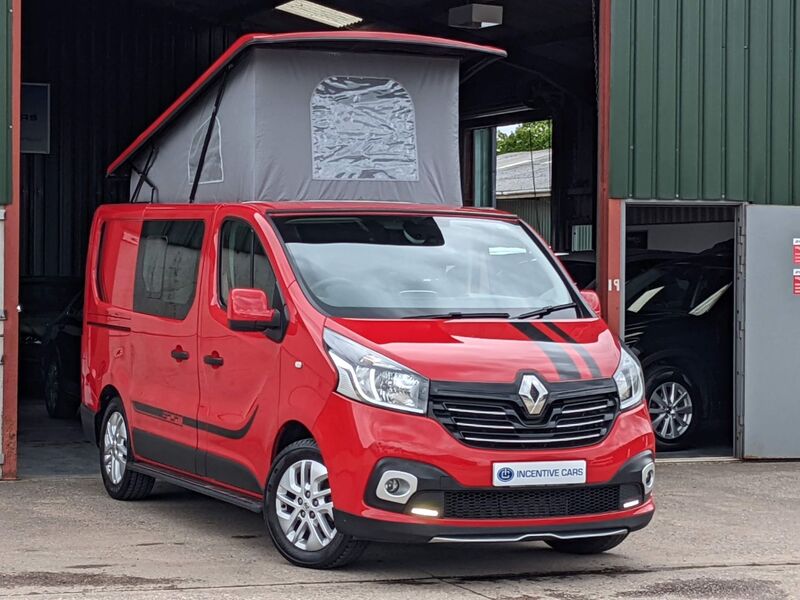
166,268
119,243
243,262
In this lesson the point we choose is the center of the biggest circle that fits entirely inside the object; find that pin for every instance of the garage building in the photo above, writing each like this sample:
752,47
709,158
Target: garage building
675,129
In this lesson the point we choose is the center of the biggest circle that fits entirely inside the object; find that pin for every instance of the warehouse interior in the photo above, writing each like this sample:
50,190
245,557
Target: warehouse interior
111,67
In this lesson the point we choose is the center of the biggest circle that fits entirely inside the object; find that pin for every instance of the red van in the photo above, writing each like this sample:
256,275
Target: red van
360,371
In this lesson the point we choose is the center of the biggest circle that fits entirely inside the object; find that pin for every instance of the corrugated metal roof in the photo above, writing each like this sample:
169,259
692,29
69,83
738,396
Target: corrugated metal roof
524,173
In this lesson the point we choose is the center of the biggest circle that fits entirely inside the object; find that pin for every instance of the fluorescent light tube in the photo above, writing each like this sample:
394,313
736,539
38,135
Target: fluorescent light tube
319,13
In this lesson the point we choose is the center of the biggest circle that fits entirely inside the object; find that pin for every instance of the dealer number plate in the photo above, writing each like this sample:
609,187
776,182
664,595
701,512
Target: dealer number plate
559,472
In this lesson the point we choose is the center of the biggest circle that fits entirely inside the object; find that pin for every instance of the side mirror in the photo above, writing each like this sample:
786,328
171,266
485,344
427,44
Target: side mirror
249,310
593,300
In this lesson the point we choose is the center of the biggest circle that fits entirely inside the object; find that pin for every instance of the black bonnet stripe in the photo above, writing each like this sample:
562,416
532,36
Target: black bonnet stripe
594,369
562,361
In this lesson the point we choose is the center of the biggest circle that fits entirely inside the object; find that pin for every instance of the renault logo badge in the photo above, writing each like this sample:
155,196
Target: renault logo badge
533,394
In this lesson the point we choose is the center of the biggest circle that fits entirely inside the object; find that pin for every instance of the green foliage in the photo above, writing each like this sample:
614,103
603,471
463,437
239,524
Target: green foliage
537,135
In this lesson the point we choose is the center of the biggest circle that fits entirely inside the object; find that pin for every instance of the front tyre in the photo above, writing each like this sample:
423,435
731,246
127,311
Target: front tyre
58,403
298,510
676,406
120,482
594,545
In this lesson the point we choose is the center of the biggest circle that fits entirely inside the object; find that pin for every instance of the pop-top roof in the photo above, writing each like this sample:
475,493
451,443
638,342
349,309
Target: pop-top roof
361,41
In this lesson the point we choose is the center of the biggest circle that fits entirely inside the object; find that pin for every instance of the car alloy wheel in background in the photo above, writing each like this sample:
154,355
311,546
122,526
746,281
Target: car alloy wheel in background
676,402
671,410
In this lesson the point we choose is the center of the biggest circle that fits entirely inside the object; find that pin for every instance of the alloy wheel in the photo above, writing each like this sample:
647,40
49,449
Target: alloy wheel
671,410
115,448
304,505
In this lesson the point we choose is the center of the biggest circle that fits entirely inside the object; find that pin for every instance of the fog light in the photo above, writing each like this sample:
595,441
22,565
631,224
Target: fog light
396,486
424,512
630,504
393,486
649,477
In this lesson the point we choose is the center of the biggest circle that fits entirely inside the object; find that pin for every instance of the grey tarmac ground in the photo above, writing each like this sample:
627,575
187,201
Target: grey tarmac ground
722,531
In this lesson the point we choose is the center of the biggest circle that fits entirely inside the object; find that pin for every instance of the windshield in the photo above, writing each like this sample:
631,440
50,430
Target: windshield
662,289
390,266
677,287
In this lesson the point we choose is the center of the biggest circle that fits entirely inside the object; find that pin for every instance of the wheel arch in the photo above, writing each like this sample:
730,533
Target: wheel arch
686,359
290,432
106,396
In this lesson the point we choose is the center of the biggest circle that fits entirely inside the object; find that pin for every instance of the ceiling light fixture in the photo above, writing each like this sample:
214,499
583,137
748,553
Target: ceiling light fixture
475,16
319,13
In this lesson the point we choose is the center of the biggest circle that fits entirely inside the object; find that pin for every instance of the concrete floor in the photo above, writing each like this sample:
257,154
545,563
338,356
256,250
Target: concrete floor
722,531
52,447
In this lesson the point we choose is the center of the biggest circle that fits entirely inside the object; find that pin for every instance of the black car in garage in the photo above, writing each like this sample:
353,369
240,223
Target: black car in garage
679,322
50,346
582,265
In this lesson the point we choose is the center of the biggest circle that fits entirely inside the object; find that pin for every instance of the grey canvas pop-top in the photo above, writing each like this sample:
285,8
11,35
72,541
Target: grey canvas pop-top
287,122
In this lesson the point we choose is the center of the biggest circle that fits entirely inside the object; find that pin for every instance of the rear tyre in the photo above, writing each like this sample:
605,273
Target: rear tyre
676,404
587,545
120,482
58,403
298,511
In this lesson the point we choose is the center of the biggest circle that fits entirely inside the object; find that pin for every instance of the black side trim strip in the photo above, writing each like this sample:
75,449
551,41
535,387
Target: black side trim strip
160,413
108,326
565,366
198,486
579,348
149,410
186,458
161,450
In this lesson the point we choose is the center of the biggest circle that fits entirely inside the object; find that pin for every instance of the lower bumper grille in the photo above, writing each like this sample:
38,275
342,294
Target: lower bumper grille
531,503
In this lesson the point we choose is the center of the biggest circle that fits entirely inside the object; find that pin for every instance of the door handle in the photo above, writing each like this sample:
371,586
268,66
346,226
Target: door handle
215,360
179,354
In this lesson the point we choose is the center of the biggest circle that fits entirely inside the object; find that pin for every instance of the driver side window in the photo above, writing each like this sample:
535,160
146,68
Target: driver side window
243,263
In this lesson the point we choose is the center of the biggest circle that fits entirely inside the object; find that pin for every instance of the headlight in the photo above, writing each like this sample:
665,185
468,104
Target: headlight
630,381
370,377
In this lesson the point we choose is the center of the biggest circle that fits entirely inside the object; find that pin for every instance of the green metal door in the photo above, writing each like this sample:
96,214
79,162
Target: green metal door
705,100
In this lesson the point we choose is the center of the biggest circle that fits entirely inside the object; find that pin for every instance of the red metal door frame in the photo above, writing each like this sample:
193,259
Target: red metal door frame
11,260
610,211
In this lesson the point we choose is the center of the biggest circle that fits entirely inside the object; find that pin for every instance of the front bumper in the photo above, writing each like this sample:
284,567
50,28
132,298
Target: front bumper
355,439
434,485
410,533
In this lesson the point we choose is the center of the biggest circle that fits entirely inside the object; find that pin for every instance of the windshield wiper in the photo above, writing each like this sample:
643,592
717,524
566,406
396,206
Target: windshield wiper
545,310
462,315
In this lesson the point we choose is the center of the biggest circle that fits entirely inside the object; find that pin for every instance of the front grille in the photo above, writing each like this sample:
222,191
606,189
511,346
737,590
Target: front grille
494,416
531,503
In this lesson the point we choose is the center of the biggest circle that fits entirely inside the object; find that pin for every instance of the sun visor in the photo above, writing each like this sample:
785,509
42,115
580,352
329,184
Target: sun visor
311,125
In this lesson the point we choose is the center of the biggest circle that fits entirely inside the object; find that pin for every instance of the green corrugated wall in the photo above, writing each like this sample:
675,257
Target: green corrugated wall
5,101
705,100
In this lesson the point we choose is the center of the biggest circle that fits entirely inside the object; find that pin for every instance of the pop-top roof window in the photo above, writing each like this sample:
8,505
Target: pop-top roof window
363,128
212,165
